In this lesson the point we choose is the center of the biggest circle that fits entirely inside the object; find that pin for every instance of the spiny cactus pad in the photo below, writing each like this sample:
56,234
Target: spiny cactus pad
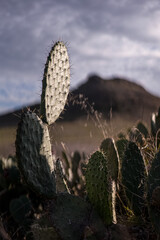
100,188
133,177
110,152
56,81
153,189
69,215
33,150
121,145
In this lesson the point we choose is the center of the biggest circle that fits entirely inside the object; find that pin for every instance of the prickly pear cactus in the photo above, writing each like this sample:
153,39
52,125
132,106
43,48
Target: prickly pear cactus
153,195
110,152
33,150
61,185
121,145
56,81
101,189
133,177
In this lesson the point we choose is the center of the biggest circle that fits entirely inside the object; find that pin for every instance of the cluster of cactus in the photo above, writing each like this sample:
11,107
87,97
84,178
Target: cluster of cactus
114,167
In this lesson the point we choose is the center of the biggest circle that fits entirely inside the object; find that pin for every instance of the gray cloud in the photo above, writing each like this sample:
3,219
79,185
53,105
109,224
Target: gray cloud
108,37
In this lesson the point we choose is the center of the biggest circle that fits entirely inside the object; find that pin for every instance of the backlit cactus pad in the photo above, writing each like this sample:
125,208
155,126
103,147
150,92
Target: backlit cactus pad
56,81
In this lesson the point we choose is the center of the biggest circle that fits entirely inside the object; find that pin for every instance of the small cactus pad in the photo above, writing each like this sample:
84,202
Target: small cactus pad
100,188
110,152
133,177
56,81
69,215
154,192
33,150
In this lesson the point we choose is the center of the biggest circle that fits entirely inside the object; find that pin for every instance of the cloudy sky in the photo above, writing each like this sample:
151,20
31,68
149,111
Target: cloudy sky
106,37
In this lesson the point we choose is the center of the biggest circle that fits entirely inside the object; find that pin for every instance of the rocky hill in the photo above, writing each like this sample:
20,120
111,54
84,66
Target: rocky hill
117,95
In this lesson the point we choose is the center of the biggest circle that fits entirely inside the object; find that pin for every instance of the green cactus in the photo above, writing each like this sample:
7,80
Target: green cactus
108,148
56,81
133,177
101,189
68,215
61,185
153,194
33,150
121,145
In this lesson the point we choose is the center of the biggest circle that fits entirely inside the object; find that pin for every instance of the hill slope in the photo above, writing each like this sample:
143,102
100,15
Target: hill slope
122,96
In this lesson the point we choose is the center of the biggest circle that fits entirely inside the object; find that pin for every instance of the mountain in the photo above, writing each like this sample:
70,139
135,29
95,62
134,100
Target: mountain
123,97
119,95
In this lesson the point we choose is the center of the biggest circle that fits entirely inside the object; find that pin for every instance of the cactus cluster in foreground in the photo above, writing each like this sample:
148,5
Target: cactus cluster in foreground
113,169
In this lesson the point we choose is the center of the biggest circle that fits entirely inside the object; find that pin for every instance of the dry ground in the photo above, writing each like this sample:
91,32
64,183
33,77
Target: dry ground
82,135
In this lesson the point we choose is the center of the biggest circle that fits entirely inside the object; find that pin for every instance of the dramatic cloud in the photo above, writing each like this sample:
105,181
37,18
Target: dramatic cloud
107,37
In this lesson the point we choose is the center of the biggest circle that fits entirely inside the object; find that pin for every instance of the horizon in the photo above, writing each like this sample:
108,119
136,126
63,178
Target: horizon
109,37
29,104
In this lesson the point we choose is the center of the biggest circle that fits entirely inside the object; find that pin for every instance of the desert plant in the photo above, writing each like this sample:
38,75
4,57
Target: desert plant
134,177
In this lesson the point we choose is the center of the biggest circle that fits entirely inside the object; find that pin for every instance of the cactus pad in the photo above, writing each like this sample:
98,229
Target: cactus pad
100,188
56,81
33,150
133,177
154,192
110,152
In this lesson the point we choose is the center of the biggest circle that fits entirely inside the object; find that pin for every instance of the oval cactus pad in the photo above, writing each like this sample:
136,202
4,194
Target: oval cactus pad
33,150
56,81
